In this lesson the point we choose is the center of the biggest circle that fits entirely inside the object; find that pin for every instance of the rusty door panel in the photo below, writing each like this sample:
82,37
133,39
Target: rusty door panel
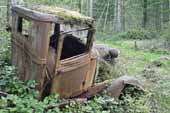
73,77
70,83
91,73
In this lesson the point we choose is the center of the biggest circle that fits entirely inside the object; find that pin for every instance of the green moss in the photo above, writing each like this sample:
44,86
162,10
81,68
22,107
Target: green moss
66,15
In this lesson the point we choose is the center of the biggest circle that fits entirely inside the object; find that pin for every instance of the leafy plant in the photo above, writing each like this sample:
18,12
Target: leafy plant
21,97
5,46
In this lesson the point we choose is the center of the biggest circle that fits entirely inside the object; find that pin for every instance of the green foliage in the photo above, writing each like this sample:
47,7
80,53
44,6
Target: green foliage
165,35
160,96
139,34
9,82
166,64
104,104
64,3
27,104
21,98
5,46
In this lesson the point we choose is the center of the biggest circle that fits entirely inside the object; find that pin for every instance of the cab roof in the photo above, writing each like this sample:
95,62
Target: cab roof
53,14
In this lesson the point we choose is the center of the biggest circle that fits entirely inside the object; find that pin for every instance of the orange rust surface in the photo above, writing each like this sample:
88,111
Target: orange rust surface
33,57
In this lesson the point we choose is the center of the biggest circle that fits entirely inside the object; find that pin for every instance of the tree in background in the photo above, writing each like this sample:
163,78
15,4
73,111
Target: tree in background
165,11
157,11
155,14
80,6
144,13
119,16
90,8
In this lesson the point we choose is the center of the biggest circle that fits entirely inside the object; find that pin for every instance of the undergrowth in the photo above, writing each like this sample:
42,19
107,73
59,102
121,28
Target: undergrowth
153,67
21,97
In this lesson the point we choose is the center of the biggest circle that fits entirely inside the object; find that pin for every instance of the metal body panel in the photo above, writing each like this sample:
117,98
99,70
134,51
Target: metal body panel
29,53
39,14
36,60
74,76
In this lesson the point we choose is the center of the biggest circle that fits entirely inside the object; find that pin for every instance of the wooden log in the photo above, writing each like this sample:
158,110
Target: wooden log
4,94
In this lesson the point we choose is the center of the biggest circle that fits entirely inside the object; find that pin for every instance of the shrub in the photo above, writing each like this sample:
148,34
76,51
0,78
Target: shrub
106,104
166,37
5,46
139,34
21,97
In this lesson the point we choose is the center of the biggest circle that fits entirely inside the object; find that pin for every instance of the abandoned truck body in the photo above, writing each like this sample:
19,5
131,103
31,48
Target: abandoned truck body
54,47
47,47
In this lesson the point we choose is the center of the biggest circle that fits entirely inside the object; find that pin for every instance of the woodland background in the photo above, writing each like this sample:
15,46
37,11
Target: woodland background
140,29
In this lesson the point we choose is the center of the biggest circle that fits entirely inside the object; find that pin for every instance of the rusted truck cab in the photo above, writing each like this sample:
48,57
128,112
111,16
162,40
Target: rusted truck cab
53,46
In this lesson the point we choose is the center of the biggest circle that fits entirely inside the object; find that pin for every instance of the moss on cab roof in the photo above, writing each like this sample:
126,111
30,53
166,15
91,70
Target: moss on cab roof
65,14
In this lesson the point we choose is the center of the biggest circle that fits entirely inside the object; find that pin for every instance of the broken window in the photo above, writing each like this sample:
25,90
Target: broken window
75,41
24,26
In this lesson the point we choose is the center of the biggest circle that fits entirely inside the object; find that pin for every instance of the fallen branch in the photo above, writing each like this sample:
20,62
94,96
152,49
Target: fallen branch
3,94
64,103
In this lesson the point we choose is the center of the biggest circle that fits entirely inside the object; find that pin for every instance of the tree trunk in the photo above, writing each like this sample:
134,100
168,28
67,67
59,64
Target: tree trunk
157,10
119,16
144,13
105,21
80,6
90,8
165,11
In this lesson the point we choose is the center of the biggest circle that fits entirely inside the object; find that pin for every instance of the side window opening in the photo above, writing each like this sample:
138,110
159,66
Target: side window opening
55,35
19,26
24,26
74,44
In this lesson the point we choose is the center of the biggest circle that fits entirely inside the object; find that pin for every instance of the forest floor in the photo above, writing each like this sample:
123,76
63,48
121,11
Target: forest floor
151,68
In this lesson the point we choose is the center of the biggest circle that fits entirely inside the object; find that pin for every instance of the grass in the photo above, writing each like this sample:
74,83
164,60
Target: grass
140,64
135,60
